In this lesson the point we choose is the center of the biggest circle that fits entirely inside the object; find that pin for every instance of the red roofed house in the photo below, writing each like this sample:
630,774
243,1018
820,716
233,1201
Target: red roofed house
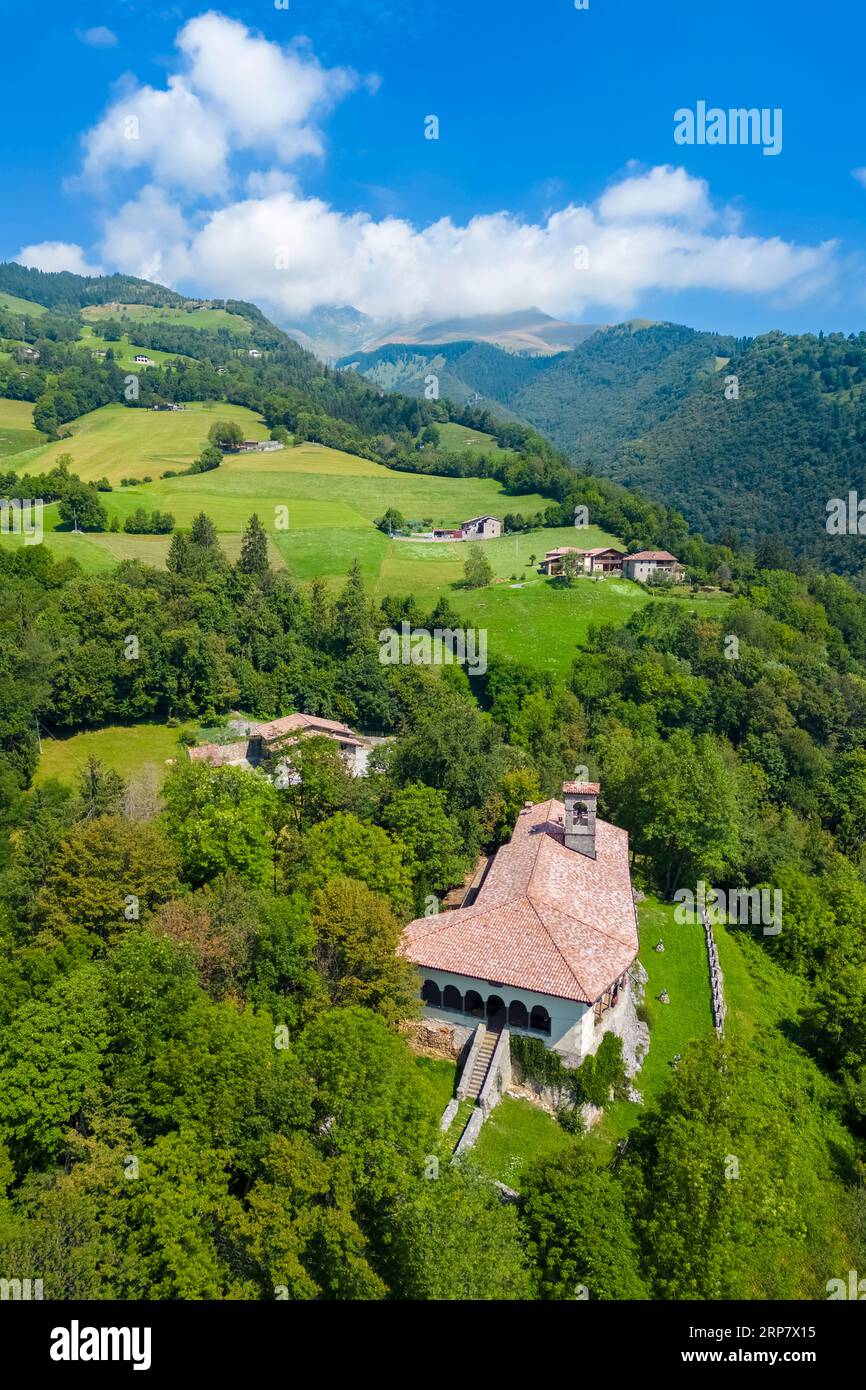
552,562
268,742
547,943
604,559
646,563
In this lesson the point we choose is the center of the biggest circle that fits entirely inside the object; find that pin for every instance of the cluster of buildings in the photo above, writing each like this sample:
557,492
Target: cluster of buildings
641,566
257,446
268,744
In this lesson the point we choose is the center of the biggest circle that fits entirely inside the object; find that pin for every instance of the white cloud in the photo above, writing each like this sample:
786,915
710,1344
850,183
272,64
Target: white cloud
238,100
294,253
98,37
148,238
664,192
860,176
57,255
236,92
262,182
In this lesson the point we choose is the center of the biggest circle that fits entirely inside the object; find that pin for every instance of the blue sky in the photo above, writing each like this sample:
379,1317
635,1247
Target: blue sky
541,107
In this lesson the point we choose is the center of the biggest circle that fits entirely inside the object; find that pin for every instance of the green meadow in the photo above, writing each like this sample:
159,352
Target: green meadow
124,350
16,428
212,319
319,506
125,748
21,306
454,437
119,441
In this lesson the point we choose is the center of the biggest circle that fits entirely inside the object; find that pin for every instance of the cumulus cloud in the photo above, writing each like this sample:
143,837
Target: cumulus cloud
98,37
650,232
211,200
235,92
57,255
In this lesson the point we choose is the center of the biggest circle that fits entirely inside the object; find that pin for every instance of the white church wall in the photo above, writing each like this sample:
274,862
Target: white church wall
568,1017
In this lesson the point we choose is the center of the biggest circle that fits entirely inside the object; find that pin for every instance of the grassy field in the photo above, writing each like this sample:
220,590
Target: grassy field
21,306
454,437
124,350
683,971
127,748
189,318
118,442
514,1134
325,503
16,427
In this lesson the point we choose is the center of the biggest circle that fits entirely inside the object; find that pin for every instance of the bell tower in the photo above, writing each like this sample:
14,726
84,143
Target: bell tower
580,800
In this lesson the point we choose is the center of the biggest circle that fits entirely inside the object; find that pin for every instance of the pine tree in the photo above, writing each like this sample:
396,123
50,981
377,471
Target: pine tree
254,548
178,553
352,609
203,532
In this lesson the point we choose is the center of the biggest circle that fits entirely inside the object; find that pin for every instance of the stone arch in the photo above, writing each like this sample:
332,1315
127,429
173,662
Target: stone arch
473,1004
452,998
431,994
496,1012
539,1019
517,1014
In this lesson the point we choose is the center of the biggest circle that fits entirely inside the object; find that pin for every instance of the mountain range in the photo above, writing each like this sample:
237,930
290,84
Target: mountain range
333,331
749,436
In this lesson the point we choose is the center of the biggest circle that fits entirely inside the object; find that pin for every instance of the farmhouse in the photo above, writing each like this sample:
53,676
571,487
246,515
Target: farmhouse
254,446
480,528
604,559
544,946
552,562
143,360
268,743
253,352
647,563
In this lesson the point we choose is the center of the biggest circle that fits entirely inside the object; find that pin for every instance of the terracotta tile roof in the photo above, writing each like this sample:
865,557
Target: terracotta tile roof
581,788
547,919
653,555
297,724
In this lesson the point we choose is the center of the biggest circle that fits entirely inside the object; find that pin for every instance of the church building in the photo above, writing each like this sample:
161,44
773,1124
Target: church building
545,946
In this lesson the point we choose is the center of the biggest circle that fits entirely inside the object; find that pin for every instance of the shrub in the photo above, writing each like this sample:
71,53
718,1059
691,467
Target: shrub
600,1074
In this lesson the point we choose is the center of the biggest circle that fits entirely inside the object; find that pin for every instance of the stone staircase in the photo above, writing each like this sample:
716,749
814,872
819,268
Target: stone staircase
481,1065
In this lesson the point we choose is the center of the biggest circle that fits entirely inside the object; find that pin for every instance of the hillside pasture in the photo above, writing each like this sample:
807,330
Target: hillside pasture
125,351
212,319
126,748
16,428
119,441
21,306
455,437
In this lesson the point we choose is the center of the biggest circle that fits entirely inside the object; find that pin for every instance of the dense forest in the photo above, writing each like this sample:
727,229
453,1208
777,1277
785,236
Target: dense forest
208,1088
749,438
143,1041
